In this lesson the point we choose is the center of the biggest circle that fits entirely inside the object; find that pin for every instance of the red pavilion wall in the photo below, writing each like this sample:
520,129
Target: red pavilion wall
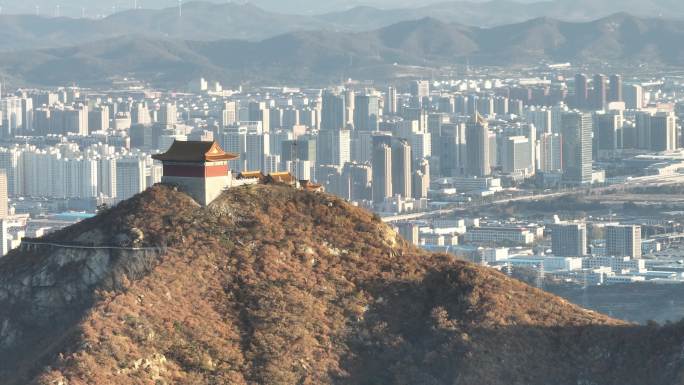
199,171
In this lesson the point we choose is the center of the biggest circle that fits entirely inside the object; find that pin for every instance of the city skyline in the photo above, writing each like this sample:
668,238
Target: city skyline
365,192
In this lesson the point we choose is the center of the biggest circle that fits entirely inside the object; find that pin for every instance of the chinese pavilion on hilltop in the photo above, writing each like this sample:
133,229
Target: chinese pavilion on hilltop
199,169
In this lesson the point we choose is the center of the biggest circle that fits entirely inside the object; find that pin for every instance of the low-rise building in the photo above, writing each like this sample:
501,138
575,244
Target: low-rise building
519,235
550,264
615,263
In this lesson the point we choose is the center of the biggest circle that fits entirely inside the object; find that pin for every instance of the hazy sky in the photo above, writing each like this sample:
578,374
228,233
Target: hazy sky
91,8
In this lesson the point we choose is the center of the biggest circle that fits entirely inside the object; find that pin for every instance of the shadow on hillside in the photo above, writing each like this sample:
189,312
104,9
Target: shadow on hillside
428,333
37,338
44,294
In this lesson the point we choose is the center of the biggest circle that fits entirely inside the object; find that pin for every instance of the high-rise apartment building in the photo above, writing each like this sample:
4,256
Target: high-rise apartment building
234,141
130,177
27,118
485,106
569,239
10,162
656,131
633,96
366,113
333,111
361,146
577,147
478,147
517,156
421,180
357,181
581,91
75,120
600,92
391,102
446,104
420,89
664,131
401,168
642,127
608,132
4,196
140,114
229,114
334,147
12,117
98,119
550,153
349,107
168,115
541,118
623,241
382,172
615,94
290,118
257,148
106,177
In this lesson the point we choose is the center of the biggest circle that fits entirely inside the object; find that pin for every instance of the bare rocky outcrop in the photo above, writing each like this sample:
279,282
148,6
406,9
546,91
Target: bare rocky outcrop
52,294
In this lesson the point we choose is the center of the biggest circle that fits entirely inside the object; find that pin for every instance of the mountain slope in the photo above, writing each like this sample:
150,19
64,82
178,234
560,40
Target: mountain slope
33,32
320,57
203,20
207,21
200,21
618,37
582,8
502,12
269,285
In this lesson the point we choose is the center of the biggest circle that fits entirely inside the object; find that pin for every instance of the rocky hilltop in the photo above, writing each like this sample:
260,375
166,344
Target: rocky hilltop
271,285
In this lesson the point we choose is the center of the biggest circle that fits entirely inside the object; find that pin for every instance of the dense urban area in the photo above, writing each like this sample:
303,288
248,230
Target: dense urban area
342,192
561,173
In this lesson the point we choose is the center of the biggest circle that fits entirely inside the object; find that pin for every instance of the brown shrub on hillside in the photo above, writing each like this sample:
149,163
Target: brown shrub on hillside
270,285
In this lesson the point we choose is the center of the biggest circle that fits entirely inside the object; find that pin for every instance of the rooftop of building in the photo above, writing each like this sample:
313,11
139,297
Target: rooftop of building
195,151
281,177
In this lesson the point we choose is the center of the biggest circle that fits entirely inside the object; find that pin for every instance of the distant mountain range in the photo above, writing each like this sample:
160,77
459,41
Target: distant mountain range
567,9
206,21
325,56
200,21
501,12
